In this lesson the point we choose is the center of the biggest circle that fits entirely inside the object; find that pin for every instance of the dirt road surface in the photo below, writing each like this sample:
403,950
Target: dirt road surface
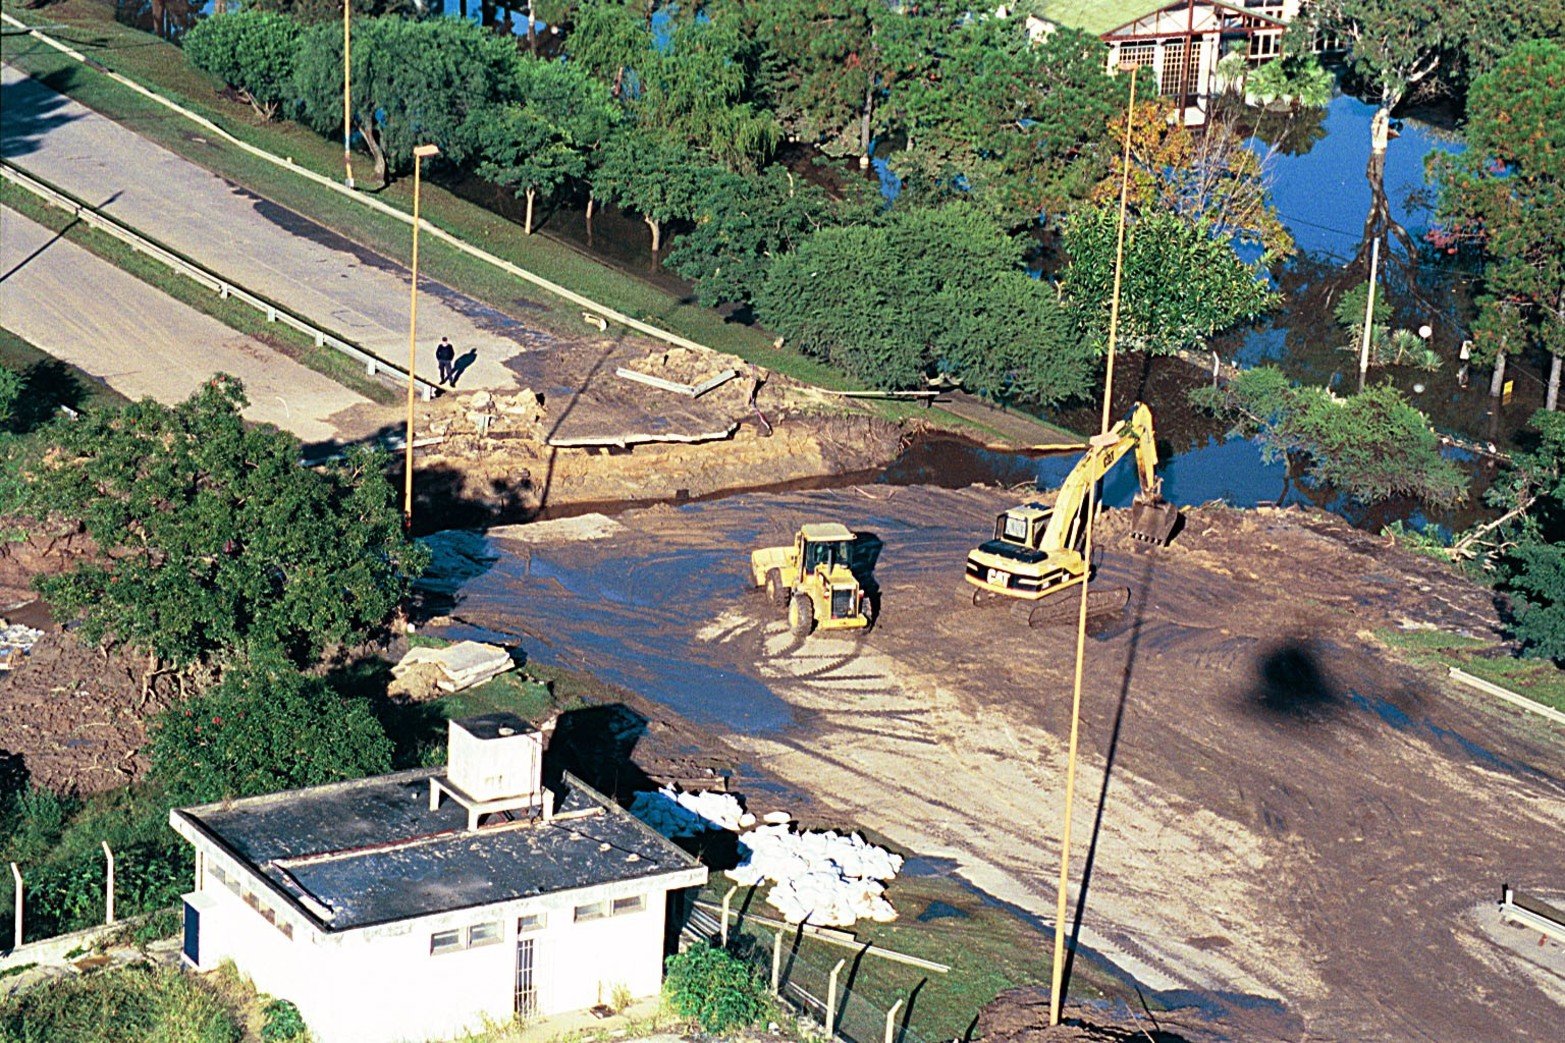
82,309
1282,824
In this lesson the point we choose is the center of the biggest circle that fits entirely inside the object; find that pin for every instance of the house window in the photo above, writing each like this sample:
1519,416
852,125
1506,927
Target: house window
634,904
1142,54
1265,45
530,922
483,934
592,911
445,941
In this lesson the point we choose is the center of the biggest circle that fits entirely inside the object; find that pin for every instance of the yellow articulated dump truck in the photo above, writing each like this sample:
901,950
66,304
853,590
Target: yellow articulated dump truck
814,580
1037,550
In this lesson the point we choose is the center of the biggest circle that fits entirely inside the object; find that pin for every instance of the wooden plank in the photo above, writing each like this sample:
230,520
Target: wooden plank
1490,688
657,382
718,381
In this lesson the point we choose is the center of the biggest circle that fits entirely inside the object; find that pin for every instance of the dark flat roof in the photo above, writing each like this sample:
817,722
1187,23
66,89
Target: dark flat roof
372,852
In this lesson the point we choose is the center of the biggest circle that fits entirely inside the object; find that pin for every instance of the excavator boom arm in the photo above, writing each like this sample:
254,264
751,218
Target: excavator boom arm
1133,433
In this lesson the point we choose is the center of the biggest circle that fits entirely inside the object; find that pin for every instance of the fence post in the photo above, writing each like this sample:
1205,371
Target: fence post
831,999
891,1017
108,887
727,898
777,961
17,873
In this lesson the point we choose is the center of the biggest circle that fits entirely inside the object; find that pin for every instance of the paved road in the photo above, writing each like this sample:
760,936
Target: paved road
356,292
82,309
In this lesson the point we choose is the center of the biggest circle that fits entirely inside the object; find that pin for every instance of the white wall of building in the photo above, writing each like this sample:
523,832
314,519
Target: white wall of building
384,985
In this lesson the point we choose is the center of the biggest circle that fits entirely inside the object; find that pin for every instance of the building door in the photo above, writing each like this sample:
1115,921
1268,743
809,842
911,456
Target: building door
526,980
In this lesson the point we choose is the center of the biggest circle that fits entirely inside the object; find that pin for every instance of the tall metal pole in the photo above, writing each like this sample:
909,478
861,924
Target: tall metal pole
1057,988
1369,311
347,92
407,479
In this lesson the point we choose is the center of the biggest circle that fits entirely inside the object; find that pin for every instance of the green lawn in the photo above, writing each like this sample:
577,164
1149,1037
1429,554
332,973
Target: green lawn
1537,679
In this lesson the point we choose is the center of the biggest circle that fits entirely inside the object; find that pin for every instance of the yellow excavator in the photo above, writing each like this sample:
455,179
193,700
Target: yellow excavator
1037,550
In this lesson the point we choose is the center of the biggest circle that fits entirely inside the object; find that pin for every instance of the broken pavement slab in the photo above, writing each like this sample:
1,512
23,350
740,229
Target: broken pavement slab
460,666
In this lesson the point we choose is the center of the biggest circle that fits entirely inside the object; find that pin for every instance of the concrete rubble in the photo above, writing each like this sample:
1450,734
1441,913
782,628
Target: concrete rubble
16,641
454,667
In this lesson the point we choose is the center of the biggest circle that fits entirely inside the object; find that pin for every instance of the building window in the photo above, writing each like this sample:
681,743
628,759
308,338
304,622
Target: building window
445,941
1142,54
1176,80
483,934
530,922
592,911
1265,45
634,904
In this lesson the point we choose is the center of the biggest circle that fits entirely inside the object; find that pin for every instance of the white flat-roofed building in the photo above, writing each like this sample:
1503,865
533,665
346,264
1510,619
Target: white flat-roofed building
409,907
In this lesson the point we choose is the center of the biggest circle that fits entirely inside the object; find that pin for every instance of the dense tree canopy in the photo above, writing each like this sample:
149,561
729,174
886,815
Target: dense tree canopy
819,67
1505,194
414,83
1529,557
264,728
658,178
212,539
252,51
930,291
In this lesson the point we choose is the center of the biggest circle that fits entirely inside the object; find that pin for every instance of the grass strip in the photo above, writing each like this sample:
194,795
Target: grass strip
85,391
1535,679
232,313
91,28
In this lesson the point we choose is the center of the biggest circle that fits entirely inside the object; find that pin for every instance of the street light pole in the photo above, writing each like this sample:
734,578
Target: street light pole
1057,988
420,153
347,93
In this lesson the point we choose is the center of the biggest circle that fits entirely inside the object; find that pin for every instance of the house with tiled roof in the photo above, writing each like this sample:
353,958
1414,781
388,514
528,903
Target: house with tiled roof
423,904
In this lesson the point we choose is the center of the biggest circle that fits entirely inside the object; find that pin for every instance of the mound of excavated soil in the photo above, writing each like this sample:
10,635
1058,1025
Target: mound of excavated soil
1022,1016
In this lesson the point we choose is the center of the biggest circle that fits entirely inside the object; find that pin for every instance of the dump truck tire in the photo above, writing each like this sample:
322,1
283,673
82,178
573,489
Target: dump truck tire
775,591
801,616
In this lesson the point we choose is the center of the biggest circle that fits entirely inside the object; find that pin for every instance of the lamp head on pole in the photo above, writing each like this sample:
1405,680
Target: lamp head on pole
426,151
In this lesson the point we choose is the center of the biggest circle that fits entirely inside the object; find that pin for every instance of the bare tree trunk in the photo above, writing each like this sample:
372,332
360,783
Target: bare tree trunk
657,233
532,30
864,120
1551,401
1497,383
528,227
373,144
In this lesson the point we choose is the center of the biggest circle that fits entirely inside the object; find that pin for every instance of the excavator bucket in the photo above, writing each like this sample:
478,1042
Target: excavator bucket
1153,520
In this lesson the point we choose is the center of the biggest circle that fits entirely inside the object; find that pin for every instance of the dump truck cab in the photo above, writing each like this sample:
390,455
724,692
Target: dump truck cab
814,579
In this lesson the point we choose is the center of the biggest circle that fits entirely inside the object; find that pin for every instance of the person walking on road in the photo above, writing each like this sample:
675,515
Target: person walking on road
445,354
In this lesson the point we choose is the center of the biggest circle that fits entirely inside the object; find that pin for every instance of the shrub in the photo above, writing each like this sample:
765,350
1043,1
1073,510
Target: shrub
251,51
713,988
265,728
131,1004
283,1022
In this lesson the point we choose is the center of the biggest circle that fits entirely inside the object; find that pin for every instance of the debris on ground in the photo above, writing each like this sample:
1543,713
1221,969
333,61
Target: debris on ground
1021,1015
828,879
16,641
674,813
425,672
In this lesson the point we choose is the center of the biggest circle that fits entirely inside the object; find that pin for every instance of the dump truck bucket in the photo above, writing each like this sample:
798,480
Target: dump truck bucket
1153,520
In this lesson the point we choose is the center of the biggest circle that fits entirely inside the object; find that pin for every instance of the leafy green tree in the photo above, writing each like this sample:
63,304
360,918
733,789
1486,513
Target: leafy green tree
1525,547
539,142
742,225
251,51
988,113
659,178
1393,46
1505,195
1371,446
887,306
714,988
694,88
212,539
265,727
310,12
414,83
819,68
1181,282
10,391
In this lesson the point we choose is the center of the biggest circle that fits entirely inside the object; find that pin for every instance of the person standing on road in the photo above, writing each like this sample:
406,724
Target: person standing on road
445,354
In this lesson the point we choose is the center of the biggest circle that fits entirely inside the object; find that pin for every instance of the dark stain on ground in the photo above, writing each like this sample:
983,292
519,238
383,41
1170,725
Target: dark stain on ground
938,910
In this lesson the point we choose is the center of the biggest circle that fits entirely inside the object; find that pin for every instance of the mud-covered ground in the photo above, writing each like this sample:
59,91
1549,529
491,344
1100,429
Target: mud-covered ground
1276,819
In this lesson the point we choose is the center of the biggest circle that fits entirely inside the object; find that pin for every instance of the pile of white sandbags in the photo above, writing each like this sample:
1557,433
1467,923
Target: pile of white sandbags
676,814
828,879
16,641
